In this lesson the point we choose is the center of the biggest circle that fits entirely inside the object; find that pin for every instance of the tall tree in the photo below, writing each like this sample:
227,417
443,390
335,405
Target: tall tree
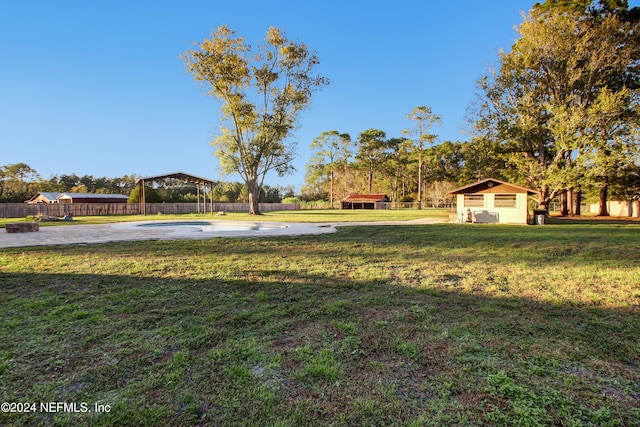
480,158
423,120
614,148
582,6
262,91
372,144
401,163
315,182
393,165
330,149
537,105
17,182
444,162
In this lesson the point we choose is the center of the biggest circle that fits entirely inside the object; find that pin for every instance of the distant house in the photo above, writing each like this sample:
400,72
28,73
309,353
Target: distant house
366,201
492,201
92,198
44,197
49,197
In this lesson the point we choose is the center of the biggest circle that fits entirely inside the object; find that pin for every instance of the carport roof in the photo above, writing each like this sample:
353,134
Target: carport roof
178,175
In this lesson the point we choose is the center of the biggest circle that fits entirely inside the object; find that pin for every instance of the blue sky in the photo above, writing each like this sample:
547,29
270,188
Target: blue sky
97,87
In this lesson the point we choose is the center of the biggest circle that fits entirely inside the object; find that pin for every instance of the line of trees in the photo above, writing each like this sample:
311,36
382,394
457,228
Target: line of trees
560,115
20,182
407,170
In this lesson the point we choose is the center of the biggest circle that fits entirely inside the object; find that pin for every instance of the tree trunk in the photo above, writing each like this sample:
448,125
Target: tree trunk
578,202
570,201
346,182
543,197
564,209
603,211
331,195
420,183
254,198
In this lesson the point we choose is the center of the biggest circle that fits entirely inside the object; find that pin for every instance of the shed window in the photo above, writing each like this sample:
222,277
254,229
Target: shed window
505,201
473,200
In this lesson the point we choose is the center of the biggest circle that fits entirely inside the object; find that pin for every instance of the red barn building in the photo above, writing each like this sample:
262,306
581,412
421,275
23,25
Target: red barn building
366,201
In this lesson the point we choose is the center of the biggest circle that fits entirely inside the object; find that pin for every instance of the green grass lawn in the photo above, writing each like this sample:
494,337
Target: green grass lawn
409,325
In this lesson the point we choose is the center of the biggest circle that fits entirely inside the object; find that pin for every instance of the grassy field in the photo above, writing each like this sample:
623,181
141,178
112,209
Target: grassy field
388,325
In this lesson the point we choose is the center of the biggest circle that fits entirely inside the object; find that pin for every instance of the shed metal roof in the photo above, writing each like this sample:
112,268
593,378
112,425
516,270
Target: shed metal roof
488,183
91,196
49,195
367,198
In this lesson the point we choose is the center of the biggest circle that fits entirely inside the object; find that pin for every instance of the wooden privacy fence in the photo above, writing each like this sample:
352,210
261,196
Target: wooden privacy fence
177,208
21,210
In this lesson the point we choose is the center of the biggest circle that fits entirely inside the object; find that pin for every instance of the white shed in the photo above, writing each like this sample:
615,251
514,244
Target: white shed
492,201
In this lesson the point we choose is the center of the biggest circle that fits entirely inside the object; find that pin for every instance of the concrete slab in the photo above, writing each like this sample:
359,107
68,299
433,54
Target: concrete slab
128,231
102,233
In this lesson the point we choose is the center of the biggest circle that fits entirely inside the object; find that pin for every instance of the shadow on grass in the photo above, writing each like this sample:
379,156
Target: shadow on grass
592,220
292,347
431,325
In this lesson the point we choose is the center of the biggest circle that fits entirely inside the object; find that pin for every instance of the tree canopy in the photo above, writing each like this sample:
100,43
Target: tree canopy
330,150
262,91
561,105
560,114
423,120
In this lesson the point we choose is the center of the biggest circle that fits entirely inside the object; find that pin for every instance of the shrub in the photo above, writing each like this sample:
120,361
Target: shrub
151,195
291,200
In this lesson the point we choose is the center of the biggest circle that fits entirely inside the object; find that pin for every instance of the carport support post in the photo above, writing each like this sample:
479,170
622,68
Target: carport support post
204,198
198,197
143,200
